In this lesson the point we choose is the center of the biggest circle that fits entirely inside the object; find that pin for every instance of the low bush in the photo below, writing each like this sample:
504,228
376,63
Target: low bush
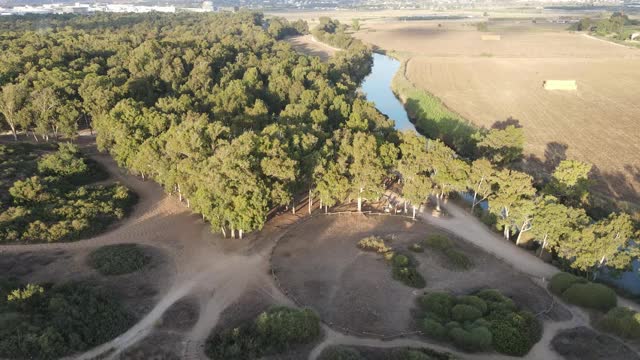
439,242
590,295
118,259
272,332
438,304
458,259
477,339
560,282
52,322
409,276
623,322
433,328
485,319
474,301
443,244
463,313
400,260
373,243
340,352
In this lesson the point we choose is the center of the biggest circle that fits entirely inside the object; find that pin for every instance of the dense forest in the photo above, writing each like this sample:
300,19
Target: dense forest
234,122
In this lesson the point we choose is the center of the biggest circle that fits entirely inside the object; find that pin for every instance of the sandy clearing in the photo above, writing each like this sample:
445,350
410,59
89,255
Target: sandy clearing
308,45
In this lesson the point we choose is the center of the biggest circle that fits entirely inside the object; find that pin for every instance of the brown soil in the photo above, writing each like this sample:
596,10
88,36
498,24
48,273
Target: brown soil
582,343
319,264
181,316
306,44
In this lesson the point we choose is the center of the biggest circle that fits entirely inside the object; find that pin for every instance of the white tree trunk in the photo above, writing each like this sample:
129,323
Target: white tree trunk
414,212
233,233
240,234
506,232
310,201
293,206
405,206
224,233
544,245
359,203
326,209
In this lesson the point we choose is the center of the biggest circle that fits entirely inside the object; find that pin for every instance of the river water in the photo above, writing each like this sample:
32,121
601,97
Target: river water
377,88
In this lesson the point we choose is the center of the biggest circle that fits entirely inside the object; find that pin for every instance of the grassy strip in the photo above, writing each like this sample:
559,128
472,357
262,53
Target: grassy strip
432,118
443,244
118,259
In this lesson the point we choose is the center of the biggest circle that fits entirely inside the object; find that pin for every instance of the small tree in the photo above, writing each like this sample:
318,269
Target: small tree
514,191
502,146
481,180
12,100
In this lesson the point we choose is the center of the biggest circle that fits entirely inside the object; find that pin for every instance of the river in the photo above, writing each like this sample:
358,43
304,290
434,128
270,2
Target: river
377,89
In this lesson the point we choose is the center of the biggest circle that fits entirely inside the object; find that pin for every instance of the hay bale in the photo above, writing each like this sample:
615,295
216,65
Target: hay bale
490,37
568,85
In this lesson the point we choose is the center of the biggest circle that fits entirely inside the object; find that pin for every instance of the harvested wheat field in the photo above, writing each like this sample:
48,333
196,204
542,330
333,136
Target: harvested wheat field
492,81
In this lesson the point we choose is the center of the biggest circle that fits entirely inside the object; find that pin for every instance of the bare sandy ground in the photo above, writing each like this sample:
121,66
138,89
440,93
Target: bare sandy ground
307,44
319,264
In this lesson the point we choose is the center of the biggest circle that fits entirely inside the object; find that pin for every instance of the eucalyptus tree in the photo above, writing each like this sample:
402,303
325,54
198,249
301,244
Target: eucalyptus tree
609,242
514,192
12,100
570,182
413,167
481,180
502,146
448,172
554,224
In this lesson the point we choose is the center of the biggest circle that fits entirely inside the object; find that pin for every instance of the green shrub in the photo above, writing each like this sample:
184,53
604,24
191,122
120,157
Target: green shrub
282,327
340,352
560,282
400,260
479,321
416,248
438,304
462,313
474,301
477,339
452,325
54,322
433,329
458,259
590,295
623,322
373,243
507,339
409,276
496,301
118,259
439,242
272,332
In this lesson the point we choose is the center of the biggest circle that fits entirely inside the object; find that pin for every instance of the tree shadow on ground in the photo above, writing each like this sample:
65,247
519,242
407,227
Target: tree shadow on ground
510,121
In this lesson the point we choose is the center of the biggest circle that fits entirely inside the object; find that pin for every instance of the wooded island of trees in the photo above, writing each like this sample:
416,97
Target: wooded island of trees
222,113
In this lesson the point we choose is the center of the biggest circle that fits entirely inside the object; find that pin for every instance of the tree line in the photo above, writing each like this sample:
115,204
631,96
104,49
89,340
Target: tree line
235,123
